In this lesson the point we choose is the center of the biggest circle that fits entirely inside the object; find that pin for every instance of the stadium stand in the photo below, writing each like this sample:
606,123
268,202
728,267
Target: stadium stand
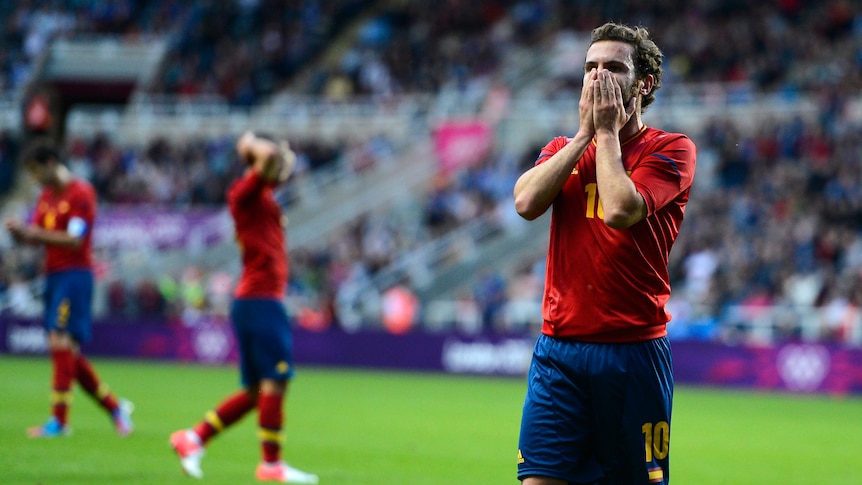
770,98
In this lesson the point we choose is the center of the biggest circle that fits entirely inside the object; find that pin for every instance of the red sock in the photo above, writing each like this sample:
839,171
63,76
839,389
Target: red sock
89,380
270,420
64,373
228,412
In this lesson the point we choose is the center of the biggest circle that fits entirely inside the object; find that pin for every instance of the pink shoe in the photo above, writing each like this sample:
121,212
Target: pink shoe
190,450
282,472
123,418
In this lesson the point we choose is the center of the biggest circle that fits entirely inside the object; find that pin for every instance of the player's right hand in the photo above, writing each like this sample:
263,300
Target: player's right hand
17,230
243,146
585,106
609,112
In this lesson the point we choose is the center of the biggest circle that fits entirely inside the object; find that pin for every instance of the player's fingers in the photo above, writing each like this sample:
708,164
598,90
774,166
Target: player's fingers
288,157
587,91
603,86
246,137
589,78
616,91
597,90
243,143
631,106
286,152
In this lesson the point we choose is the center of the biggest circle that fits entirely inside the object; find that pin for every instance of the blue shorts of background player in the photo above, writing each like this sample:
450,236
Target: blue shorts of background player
598,413
68,302
265,340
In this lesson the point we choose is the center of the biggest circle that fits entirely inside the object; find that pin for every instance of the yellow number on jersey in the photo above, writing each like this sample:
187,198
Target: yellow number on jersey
594,203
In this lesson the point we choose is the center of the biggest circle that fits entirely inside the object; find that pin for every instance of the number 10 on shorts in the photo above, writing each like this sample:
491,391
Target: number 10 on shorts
656,440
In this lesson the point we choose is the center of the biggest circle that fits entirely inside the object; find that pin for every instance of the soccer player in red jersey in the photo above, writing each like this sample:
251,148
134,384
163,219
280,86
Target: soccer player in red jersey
63,224
260,322
600,386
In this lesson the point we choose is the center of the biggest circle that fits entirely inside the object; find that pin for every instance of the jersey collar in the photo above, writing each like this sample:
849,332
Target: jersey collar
640,132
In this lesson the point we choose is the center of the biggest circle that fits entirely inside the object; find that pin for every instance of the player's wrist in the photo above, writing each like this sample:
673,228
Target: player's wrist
584,134
28,235
603,133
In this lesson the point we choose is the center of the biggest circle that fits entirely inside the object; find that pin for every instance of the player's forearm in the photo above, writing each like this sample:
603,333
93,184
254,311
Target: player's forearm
38,235
260,153
266,159
621,202
537,188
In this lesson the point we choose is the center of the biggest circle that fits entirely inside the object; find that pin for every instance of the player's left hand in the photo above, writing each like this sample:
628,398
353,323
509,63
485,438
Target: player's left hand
609,112
288,160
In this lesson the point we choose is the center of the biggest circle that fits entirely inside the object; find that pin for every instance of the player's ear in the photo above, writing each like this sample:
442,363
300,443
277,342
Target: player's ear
646,84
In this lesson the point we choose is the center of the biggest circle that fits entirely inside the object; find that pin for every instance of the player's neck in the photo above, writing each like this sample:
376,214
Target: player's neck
632,127
62,178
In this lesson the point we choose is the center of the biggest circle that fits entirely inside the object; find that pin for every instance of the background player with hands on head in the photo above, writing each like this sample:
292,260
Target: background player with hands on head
63,224
259,318
600,385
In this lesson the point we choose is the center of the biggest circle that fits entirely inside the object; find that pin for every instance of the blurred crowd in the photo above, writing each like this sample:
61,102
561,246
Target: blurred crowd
245,50
238,50
783,45
774,220
198,170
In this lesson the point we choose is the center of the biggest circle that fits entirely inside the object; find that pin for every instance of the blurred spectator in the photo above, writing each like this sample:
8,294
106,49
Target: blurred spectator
118,298
148,299
490,294
400,309
20,298
193,294
8,161
218,292
468,313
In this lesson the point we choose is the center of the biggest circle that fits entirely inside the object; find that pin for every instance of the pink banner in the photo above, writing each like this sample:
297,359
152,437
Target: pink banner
460,144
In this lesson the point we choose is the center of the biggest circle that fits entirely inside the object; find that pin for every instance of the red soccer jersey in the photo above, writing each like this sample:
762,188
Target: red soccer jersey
257,218
611,285
54,210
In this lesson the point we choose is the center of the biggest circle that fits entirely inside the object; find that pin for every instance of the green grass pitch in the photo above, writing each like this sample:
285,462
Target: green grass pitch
356,427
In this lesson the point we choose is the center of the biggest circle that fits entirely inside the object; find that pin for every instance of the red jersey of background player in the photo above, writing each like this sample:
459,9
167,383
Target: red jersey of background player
257,218
72,209
611,285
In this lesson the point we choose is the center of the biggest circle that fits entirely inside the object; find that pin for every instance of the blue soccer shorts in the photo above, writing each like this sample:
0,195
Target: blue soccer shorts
598,413
68,300
265,340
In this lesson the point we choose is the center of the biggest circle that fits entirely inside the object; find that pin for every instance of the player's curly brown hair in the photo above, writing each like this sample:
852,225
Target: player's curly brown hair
647,56
40,151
